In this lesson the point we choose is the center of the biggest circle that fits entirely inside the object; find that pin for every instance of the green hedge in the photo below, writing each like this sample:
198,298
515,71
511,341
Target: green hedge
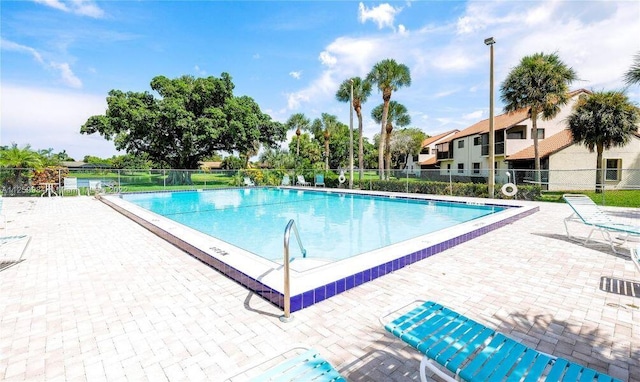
525,192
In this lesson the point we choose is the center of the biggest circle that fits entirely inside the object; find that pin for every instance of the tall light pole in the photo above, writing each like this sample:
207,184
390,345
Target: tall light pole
351,136
492,172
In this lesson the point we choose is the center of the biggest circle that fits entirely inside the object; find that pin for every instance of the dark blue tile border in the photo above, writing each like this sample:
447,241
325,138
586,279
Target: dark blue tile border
331,289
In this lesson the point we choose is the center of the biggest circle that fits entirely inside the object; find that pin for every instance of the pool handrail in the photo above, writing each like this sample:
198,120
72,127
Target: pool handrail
286,317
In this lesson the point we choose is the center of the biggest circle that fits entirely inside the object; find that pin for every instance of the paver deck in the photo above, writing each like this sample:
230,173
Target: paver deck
98,297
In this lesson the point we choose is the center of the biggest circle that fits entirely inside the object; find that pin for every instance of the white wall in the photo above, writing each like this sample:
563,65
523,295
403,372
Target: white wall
566,163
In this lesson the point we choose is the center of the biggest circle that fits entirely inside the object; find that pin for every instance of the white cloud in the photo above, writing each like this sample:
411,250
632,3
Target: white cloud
297,75
327,59
78,7
383,15
256,56
63,69
12,46
54,123
473,116
67,76
200,71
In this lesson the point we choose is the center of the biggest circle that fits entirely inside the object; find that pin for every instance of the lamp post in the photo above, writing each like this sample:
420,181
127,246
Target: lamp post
492,178
351,136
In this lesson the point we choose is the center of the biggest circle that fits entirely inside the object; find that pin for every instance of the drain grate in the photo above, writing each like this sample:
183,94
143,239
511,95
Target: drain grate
619,286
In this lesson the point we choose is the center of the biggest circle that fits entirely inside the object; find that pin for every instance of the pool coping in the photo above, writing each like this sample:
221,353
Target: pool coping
308,287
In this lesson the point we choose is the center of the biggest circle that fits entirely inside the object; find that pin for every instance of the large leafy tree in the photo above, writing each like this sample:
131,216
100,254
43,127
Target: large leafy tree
361,91
406,143
633,75
192,119
325,127
397,115
388,76
601,121
541,83
298,122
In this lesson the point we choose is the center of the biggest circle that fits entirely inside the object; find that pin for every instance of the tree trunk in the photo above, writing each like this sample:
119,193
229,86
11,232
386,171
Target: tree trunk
388,149
326,152
179,177
298,132
360,145
599,177
536,154
386,96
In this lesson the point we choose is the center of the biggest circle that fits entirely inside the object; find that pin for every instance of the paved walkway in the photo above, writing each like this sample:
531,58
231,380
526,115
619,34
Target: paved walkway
100,298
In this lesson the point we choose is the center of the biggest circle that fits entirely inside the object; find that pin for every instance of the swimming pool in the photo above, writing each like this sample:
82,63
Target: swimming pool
351,237
332,226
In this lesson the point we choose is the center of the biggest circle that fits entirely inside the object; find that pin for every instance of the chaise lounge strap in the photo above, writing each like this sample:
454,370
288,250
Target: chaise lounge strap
474,352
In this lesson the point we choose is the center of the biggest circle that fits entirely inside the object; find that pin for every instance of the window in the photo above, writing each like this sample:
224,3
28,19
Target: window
460,144
477,141
460,168
612,172
540,133
425,150
448,168
515,135
476,168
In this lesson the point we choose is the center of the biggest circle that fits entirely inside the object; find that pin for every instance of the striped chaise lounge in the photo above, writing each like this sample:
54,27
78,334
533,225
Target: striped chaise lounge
473,352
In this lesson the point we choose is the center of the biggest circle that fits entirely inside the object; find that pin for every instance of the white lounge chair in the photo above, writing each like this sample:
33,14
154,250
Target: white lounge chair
286,181
70,184
248,182
585,211
302,182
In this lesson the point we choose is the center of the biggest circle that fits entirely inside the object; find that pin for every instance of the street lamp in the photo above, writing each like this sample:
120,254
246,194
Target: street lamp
351,136
492,178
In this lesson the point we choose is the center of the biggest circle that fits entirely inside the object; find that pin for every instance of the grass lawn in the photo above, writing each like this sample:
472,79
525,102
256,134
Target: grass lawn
617,198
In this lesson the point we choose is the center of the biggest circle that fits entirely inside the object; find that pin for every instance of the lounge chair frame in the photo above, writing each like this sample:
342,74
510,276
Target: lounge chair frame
585,211
474,352
301,181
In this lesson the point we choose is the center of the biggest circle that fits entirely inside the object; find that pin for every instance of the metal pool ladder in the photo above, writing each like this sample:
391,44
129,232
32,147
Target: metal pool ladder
286,317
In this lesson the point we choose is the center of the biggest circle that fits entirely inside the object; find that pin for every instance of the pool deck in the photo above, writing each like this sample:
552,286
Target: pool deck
98,297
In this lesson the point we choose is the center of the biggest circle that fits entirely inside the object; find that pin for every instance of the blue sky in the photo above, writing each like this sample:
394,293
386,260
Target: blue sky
60,58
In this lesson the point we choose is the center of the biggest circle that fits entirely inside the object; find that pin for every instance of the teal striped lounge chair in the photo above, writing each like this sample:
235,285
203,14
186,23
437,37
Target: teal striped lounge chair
307,366
585,211
473,352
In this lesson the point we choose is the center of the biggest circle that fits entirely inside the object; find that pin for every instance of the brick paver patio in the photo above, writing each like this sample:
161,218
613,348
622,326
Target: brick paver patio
98,297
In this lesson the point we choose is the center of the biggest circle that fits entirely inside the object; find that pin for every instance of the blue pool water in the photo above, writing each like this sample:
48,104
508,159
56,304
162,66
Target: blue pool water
332,226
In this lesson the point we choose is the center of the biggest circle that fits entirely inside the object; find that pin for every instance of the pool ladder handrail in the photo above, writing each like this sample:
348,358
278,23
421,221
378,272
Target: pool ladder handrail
287,285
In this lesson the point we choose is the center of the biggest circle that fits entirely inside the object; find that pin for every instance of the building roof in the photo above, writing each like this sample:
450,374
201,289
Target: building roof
546,146
503,121
431,161
210,164
436,138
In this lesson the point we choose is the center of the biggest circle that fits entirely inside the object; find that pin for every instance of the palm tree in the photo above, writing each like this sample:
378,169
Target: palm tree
297,122
19,160
325,127
601,121
361,91
397,115
388,76
633,75
541,83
